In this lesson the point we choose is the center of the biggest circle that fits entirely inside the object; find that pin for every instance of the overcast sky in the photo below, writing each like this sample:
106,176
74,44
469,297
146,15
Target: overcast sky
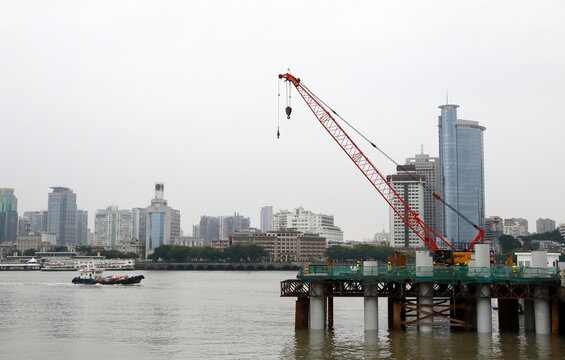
108,97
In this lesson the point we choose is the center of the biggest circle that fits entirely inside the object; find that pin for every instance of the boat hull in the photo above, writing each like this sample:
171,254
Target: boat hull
127,280
82,281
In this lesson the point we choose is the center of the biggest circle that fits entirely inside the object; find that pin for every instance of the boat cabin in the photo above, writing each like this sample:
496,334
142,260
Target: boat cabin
90,273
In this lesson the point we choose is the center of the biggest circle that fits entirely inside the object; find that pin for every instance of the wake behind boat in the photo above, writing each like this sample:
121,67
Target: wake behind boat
89,276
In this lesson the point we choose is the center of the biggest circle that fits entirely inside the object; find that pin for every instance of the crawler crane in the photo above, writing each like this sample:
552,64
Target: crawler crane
445,256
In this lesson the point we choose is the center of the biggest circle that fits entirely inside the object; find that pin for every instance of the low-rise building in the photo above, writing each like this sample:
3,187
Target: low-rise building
27,242
516,227
191,241
32,241
307,222
132,246
49,238
284,245
382,238
7,249
221,244
525,259
547,245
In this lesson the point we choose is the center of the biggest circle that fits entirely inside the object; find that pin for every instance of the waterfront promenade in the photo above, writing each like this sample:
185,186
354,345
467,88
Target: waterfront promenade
218,266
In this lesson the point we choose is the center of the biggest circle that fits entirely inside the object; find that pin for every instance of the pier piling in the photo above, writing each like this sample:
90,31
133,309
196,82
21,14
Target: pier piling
317,307
541,302
301,313
484,307
424,268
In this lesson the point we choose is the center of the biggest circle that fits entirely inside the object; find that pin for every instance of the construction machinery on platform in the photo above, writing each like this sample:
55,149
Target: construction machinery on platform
447,254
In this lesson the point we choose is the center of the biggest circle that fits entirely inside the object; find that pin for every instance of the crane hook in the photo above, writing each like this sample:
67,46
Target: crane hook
288,111
278,133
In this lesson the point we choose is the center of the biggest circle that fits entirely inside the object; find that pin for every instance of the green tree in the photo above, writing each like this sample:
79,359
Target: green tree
359,252
209,254
84,250
383,252
338,253
256,253
551,235
30,252
508,243
235,253
160,252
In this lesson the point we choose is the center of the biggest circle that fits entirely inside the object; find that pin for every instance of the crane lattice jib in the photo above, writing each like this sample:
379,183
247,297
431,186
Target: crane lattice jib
409,217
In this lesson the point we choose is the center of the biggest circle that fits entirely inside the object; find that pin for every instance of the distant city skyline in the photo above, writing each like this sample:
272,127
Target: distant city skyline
39,216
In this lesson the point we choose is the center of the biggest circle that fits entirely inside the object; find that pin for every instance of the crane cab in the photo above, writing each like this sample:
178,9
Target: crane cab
443,257
449,257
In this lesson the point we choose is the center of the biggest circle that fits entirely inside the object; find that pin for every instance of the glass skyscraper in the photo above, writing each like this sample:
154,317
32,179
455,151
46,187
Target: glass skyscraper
462,162
8,215
62,215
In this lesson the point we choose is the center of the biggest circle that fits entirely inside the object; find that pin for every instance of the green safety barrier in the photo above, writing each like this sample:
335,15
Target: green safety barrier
436,274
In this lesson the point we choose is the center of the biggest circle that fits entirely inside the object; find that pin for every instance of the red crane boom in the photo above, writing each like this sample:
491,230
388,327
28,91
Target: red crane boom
410,218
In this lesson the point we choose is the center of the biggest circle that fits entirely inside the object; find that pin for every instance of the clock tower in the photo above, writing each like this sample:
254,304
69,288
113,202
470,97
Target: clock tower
159,190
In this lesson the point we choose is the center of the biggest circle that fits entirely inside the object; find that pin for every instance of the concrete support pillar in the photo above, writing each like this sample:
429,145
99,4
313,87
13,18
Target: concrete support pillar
370,300
542,311
529,318
301,314
371,306
425,303
484,308
424,268
317,307
370,268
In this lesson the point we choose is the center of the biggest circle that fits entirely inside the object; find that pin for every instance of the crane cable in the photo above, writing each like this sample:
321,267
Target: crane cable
279,110
348,124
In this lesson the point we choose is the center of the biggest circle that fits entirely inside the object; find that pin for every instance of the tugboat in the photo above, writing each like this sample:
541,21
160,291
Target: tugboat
89,276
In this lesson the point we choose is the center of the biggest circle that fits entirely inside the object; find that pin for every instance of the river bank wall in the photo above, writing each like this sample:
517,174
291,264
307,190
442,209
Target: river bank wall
218,266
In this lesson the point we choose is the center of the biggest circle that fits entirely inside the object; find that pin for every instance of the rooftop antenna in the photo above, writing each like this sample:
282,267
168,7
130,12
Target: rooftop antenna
422,149
446,97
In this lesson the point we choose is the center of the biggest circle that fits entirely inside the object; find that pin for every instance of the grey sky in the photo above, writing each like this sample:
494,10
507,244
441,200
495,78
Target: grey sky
107,97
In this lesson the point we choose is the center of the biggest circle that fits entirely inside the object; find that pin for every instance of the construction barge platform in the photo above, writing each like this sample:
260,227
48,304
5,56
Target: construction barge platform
430,296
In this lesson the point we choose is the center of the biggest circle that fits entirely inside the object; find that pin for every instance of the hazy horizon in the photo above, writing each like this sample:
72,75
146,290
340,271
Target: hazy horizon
107,98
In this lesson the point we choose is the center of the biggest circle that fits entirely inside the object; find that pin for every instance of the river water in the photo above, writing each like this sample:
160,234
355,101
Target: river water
215,315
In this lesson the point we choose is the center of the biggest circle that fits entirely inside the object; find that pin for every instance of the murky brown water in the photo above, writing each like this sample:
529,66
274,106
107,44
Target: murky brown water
215,315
